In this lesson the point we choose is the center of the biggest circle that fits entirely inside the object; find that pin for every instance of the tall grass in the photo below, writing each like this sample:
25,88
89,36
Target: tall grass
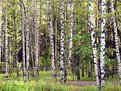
41,85
45,83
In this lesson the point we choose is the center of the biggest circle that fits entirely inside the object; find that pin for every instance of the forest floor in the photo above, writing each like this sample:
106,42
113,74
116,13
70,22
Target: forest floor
79,84
46,79
86,83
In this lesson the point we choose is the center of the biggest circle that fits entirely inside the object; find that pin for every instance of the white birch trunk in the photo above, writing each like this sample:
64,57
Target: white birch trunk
36,40
116,40
6,39
50,26
15,42
62,42
93,37
27,37
1,32
23,39
71,4
102,41
31,53
56,35
71,31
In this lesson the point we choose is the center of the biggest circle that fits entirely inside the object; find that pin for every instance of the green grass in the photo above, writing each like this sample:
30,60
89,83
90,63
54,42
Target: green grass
105,88
41,85
46,83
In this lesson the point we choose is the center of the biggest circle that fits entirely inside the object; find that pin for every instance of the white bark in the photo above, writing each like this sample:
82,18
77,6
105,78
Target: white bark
116,41
32,53
71,4
27,37
6,39
93,37
56,34
0,31
71,30
23,39
36,40
62,42
15,42
50,26
102,41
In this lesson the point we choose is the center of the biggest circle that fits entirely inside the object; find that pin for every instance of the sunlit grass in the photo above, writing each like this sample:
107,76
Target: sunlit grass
46,83
41,85
107,87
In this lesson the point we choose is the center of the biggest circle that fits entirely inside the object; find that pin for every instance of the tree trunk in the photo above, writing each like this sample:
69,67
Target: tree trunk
50,26
93,37
31,54
23,38
62,41
27,37
102,41
36,40
15,42
82,70
116,41
78,67
56,37
6,39
70,39
0,36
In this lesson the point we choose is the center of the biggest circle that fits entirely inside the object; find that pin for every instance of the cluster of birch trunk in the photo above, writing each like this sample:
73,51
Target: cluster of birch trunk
59,18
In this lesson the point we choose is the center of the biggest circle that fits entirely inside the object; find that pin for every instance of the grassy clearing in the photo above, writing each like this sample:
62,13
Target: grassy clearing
46,83
41,85
106,88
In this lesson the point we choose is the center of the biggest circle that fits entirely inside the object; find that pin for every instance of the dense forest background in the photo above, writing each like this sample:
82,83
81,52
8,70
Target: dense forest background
74,39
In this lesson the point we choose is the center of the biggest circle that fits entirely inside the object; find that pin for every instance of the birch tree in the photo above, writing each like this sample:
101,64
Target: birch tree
15,40
56,35
116,40
27,36
102,42
36,40
50,26
1,32
62,41
71,4
31,53
23,38
6,39
93,38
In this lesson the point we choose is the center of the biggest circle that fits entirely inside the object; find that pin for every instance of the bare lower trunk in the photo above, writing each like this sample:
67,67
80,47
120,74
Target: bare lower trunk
6,39
27,38
93,37
31,54
70,38
51,39
1,35
15,42
62,42
36,40
102,41
23,39
116,41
